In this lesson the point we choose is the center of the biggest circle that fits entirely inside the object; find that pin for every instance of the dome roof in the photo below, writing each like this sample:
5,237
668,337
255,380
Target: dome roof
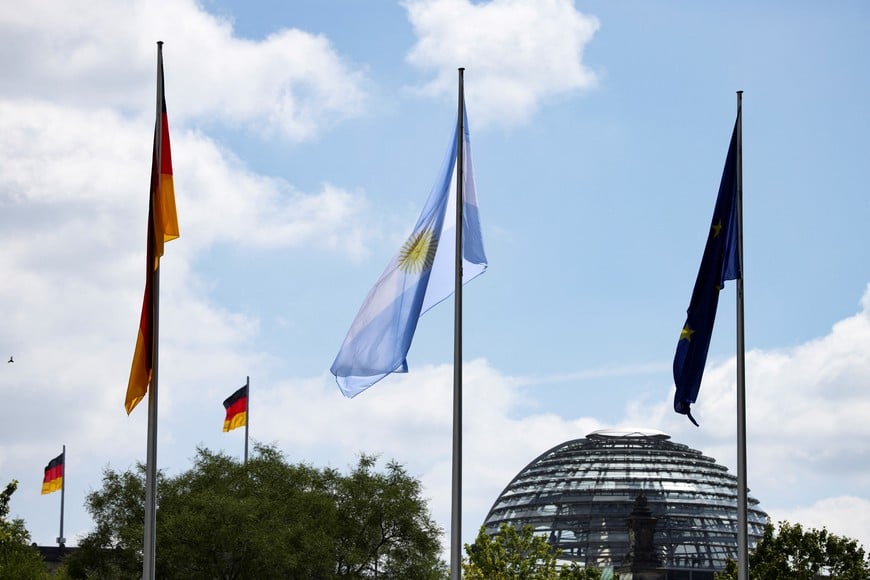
581,492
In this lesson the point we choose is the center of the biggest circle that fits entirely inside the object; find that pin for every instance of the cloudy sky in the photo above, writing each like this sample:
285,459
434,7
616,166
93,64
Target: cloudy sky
305,138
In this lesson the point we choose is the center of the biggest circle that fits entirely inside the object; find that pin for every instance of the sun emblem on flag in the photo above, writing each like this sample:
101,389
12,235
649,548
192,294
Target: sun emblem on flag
418,252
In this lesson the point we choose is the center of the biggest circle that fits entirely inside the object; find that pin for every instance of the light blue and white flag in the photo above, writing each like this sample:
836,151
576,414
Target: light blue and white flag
420,276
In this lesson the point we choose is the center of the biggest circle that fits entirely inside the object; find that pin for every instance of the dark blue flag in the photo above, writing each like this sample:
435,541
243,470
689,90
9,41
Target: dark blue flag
721,262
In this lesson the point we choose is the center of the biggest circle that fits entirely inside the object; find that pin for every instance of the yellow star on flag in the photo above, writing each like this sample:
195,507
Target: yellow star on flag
686,333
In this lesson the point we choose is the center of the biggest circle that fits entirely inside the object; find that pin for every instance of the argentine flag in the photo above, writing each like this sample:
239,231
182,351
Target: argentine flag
421,275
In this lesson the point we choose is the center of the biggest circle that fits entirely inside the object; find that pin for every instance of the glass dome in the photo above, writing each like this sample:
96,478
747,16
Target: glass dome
581,492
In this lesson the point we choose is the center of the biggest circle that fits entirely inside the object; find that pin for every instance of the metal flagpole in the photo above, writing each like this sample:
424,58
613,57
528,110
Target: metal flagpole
456,509
149,546
247,414
742,535
61,541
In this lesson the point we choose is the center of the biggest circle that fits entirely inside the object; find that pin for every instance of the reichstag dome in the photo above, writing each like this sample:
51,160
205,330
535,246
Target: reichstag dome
581,492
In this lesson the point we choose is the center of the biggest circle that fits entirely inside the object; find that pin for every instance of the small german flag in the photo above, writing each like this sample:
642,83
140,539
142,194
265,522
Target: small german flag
53,479
237,409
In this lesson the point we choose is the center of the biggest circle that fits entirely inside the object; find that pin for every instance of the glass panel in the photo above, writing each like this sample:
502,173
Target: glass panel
580,493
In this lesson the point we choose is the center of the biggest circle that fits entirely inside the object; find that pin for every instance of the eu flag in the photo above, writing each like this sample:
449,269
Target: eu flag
420,275
721,262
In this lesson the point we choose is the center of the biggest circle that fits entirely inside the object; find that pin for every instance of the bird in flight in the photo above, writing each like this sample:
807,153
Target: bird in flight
10,360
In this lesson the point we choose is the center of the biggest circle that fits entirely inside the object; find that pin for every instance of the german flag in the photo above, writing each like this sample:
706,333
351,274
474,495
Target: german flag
162,227
237,409
53,479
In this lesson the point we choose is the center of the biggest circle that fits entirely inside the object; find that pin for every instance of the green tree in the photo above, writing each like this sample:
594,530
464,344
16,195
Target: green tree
384,529
18,559
266,519
518,555
798,554
226,520
576,572
113,550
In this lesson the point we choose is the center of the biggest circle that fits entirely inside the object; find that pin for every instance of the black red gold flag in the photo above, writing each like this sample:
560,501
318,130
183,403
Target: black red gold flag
237,409
162,227
53,480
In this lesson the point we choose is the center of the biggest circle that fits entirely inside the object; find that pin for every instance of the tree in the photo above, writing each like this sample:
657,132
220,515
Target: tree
18,559
265,519
227,520
384,527
518,555
113,550
799,554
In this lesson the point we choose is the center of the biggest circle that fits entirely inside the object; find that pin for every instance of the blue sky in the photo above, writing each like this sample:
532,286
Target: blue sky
306,136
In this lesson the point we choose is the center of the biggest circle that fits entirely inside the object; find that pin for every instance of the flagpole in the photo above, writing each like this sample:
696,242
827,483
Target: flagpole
61,541
150,540
456,509
742,524
247,415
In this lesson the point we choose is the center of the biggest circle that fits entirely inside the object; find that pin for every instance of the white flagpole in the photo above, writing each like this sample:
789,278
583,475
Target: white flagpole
61,541
742,520
247,415
150,541
456,507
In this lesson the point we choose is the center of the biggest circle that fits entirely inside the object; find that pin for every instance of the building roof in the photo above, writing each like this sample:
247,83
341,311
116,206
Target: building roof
581,492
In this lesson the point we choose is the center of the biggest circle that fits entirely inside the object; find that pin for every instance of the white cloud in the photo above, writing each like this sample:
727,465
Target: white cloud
517,52
221,200
807,428
73,203
88,172
103,54
77,127
408,417
847,516
806,406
